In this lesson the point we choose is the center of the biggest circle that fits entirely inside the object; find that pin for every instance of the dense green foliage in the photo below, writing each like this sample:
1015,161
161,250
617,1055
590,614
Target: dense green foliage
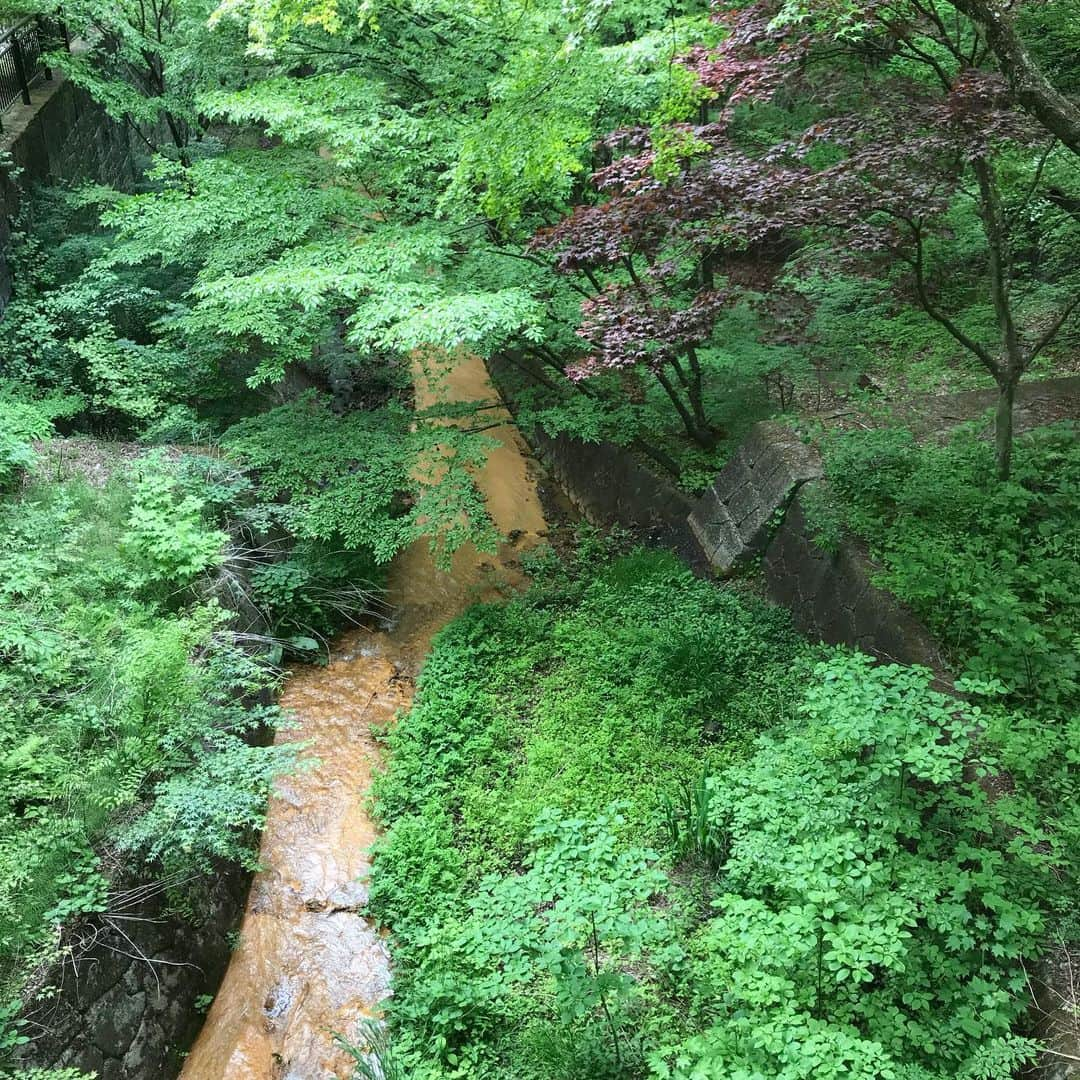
873,908
127,707
371,480
583,694
583,186
622,679
993,568
123,311
24,421
834,898
632,829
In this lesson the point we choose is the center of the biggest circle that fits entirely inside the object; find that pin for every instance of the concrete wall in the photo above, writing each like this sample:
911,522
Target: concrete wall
608,484
63,135
832,597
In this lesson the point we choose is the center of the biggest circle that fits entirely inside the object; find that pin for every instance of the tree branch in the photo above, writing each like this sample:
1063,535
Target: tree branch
536,261
592,279
1050,333
1035,180
921,55
1034,91
918,264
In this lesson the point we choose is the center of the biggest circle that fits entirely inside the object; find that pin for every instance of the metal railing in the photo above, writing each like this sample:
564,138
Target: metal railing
21,61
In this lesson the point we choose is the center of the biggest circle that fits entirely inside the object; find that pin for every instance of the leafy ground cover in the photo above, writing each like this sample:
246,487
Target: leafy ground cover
636,827
992,568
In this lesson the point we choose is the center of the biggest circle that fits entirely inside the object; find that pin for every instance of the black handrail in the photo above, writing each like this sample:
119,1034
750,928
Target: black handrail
21,60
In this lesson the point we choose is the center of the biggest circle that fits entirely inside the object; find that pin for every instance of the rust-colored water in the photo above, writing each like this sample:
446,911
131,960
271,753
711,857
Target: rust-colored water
307,965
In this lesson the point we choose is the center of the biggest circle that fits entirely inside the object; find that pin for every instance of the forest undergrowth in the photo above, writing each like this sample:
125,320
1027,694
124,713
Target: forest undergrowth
635,826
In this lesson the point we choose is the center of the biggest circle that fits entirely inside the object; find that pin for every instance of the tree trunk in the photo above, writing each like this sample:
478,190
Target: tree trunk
1013,358
1003,427
695,391
701,435
661,457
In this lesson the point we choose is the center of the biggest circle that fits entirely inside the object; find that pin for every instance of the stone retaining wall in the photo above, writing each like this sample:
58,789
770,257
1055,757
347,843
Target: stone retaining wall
732,520
755,510
752,511
63,135
125,1004
832,596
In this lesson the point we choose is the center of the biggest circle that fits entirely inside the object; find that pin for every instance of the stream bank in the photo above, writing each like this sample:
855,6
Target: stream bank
308,966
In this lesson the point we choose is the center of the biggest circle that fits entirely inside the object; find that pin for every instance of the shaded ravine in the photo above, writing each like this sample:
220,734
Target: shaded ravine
307,965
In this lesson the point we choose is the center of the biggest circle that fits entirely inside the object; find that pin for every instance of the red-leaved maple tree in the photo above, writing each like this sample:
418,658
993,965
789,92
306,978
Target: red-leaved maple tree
874,176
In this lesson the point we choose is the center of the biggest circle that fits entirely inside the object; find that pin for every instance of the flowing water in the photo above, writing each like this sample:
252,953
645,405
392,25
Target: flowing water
307,964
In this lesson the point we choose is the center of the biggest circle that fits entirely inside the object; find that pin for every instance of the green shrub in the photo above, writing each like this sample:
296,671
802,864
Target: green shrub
316,589
692,833
126,719
80,322
572,922
841,899
610,682
615,689
874,911
370,480
168,531
24,420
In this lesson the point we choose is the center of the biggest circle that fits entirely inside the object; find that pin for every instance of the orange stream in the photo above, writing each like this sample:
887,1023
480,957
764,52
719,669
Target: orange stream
307,965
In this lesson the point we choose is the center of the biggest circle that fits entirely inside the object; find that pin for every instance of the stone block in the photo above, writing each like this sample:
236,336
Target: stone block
116,1020
711,524
97,976
753,486
795,517
755,444
767,466
763,437
792,570
813,573
866,613
742,502
734,475
754,528
775,493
